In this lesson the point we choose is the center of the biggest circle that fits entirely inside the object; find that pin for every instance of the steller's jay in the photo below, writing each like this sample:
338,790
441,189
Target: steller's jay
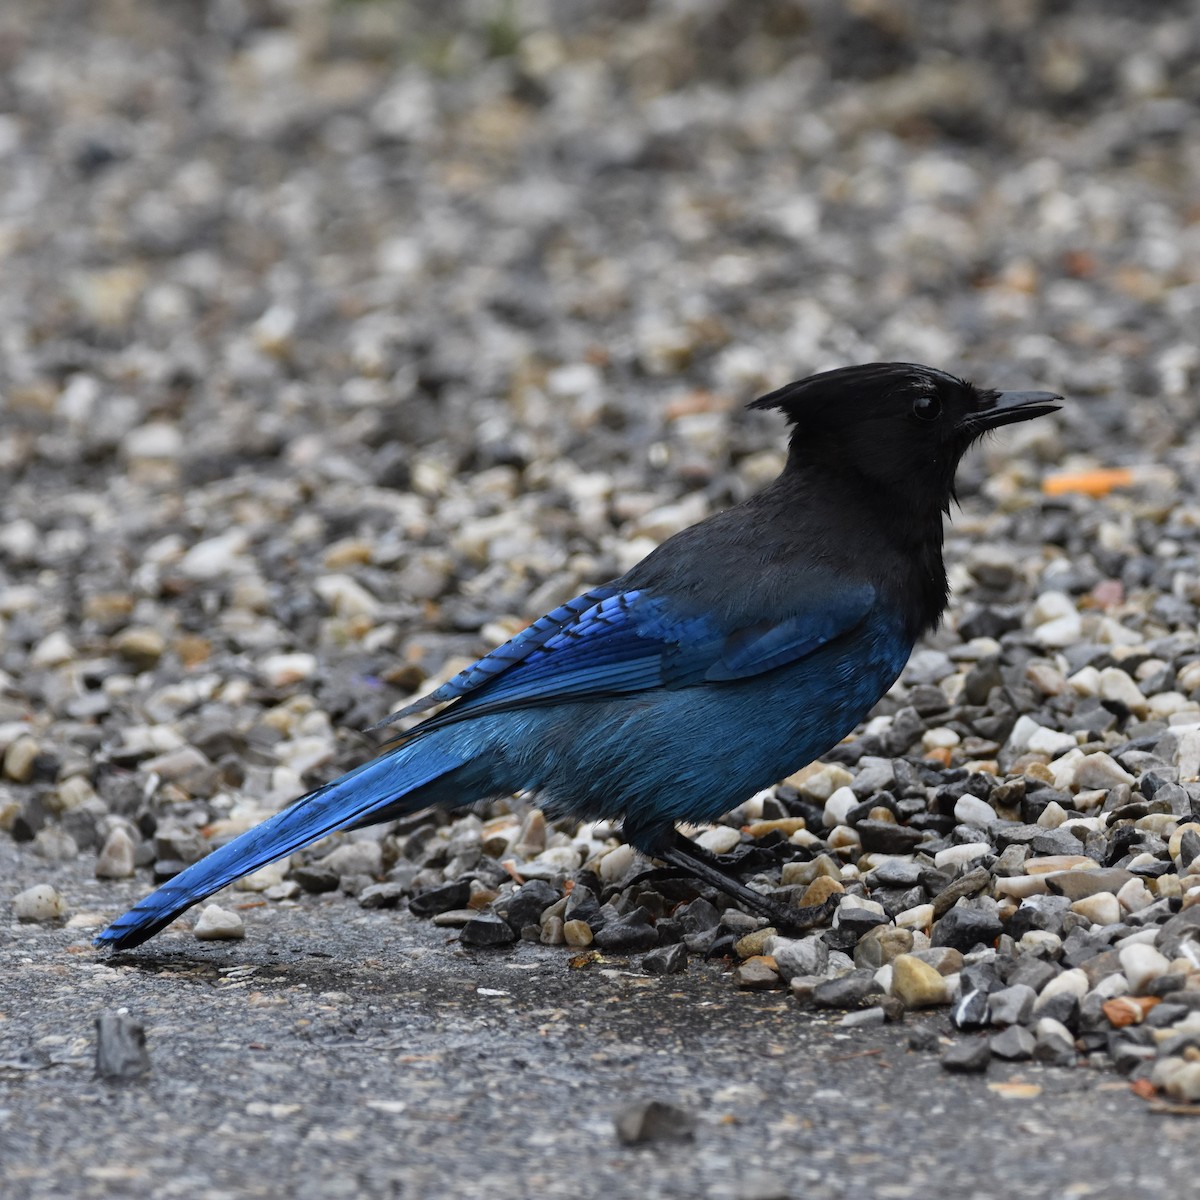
737,651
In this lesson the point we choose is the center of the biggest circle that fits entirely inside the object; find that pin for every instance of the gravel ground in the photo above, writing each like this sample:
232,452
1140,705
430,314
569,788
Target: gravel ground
339,340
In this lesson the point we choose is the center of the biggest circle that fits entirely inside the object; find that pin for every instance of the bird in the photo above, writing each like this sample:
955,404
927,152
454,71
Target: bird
737,651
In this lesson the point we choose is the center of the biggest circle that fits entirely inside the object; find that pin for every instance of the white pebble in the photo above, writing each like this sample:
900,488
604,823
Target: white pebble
346,596
952,856
838,807
1100,770
265,877
823,783
1052,816
38,903
1134,896
617,862
214,557
1141,964
1050,606
1041,939
1101,909
1062,631
115,860
970,810
918,917
1069,983
278,670
1115,684
1051,741
720,839
216,923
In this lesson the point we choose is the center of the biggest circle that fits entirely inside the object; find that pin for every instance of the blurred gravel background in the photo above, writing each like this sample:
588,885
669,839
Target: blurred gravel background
337,340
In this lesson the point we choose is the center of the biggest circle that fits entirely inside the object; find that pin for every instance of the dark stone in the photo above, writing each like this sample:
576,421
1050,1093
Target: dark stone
724,945
583,906
967,1057
971,1012
1189,847
381,895
669,930
653,1121
980,680
1013,1043
1056,841
884,837
1162,1016
1033,972
1063,1007
1039,912
907,728
1183,927
631,932
923,1038
121,1052
981,977
1165,985
965,885
1080,947
700,942
487,929
1011,1005
698,916
858,921
666,960
1127,1055
315,879
1055,1051
894,873
964,928
1015,835
442,899
851,990
896,901
939,823
843,939
526,905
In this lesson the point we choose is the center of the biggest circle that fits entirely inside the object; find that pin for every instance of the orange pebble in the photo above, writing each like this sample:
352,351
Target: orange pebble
1095,483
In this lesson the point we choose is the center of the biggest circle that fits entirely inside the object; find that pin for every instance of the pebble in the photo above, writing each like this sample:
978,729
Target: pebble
646,1121
116,857
916,984
39,903
666,960
1014,1043
579,934
1011,1005
121,1052
19,759
969,1057
1072,984
486,929
1101,909
218,924
1142,964
757,974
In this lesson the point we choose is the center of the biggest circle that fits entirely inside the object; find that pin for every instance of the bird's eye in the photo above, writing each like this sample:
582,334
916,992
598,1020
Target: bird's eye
927,408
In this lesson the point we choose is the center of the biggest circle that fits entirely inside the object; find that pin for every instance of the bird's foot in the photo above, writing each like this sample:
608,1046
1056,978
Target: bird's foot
786,918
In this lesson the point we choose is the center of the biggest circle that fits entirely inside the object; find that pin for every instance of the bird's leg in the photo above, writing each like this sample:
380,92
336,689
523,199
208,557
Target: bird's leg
685,855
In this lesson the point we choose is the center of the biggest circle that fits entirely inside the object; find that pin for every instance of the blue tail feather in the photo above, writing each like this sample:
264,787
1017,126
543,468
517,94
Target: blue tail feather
350,800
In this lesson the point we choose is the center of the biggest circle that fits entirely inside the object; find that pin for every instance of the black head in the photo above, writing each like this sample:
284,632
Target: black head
901,427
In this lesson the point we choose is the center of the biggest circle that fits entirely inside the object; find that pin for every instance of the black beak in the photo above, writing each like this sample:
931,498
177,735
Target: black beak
1006,408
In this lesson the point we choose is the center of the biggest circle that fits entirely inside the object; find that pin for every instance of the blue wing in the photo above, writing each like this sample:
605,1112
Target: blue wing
609,641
